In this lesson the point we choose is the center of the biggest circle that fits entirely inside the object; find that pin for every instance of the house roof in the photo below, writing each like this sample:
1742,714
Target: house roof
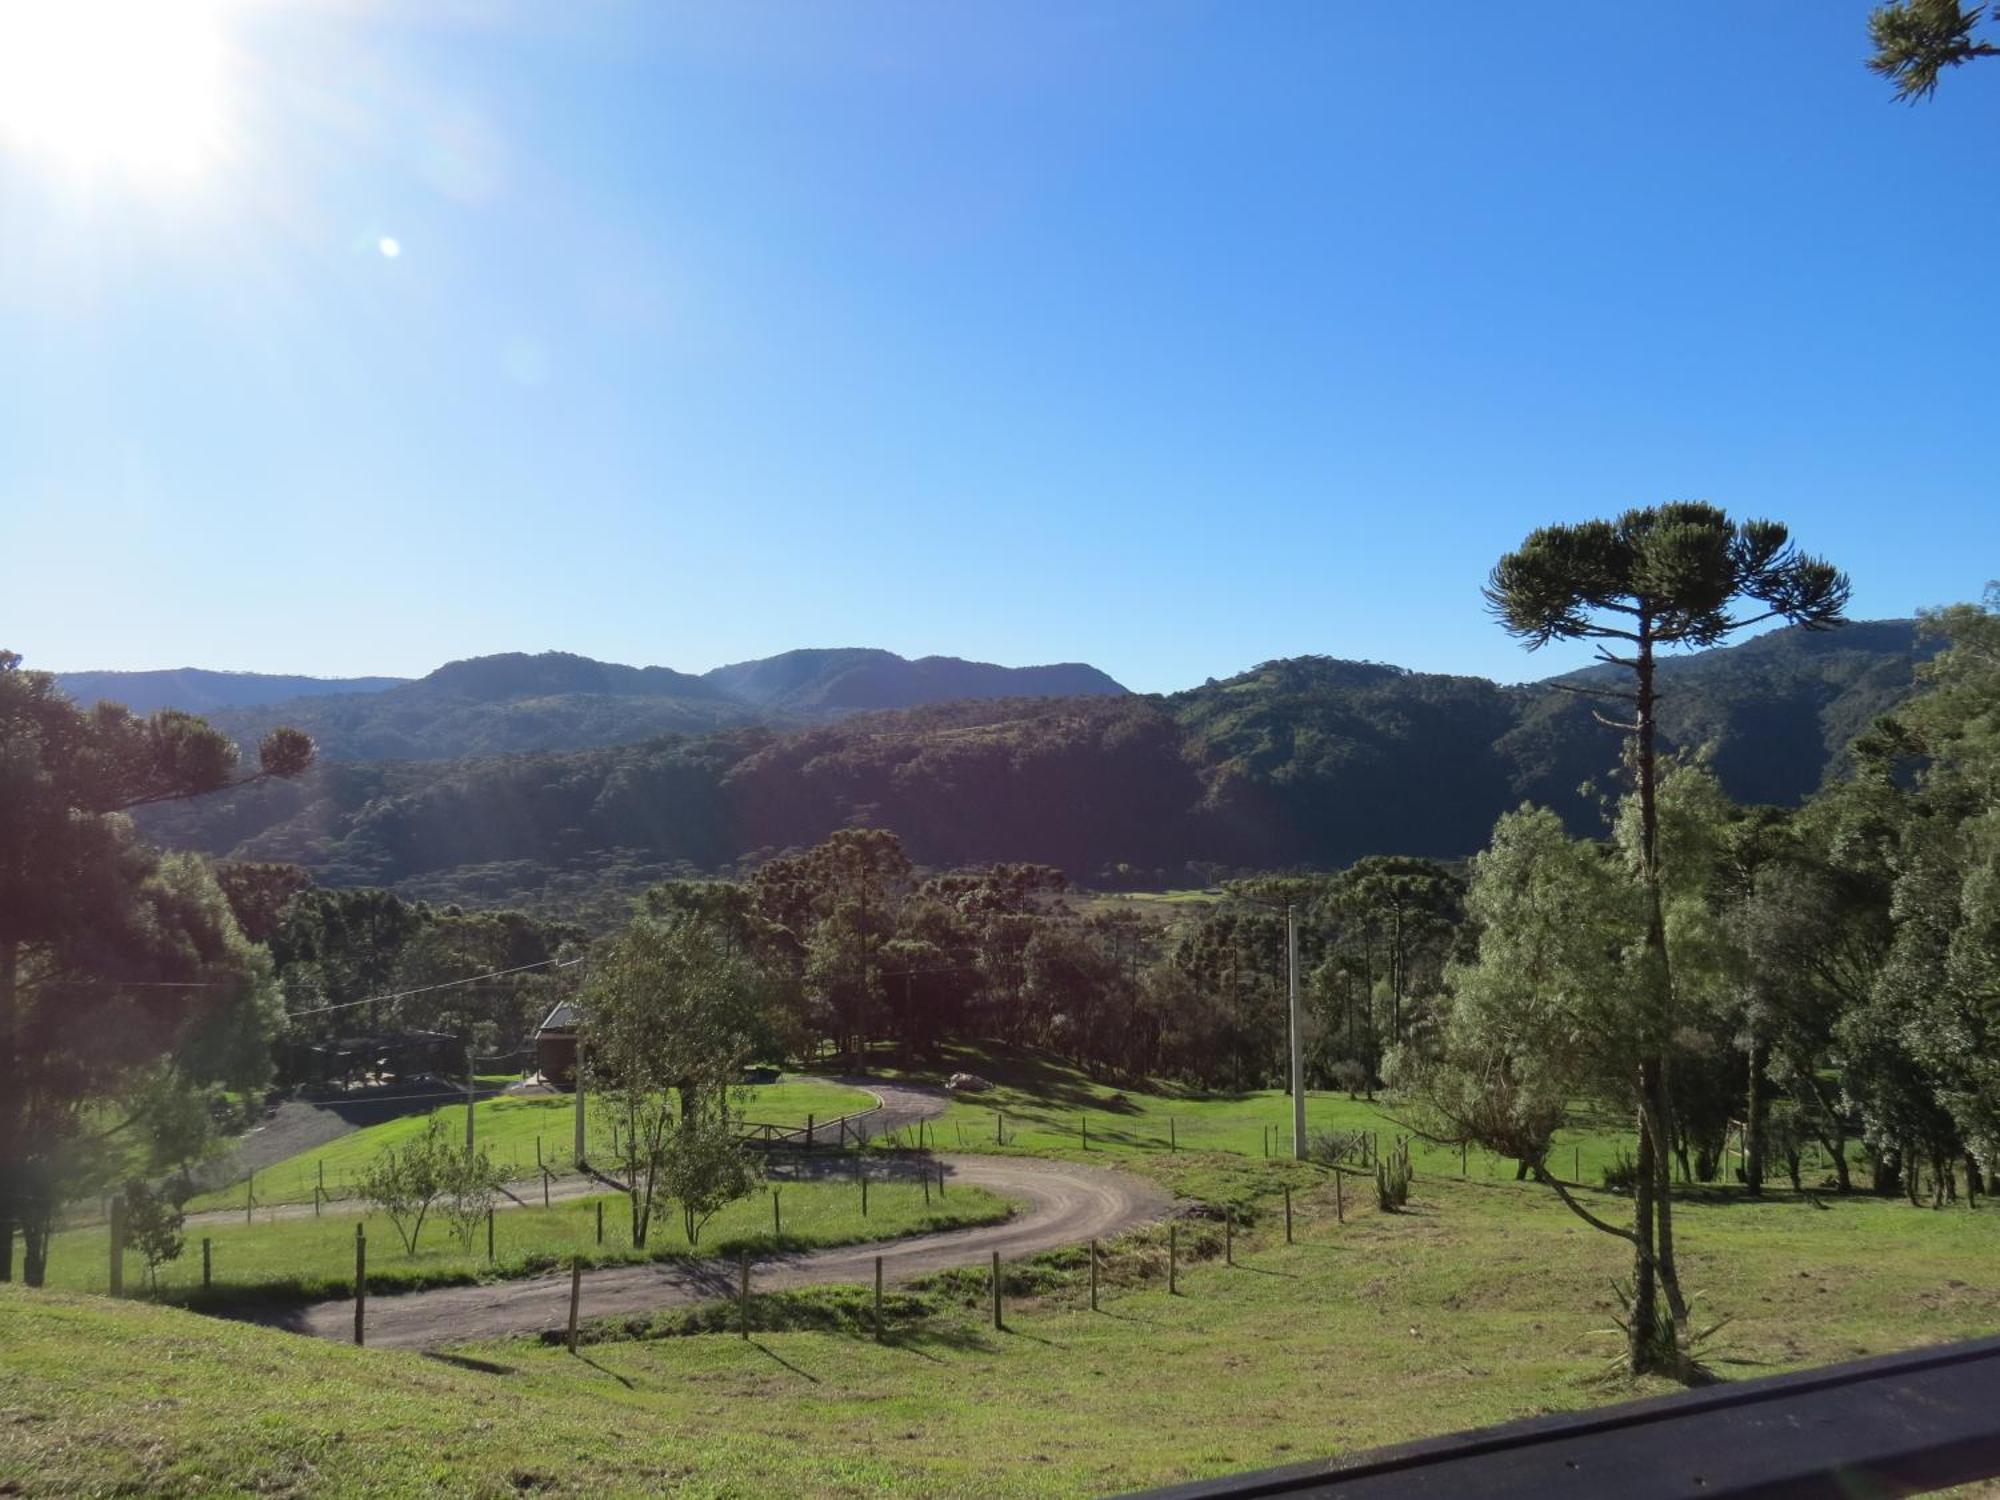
565,1017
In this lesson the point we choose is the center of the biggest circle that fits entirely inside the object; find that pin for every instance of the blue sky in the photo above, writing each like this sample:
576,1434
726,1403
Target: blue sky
1167,336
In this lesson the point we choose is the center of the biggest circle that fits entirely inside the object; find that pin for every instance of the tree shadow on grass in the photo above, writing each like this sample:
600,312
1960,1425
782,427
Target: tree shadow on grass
621,1379
769,1353
467,1362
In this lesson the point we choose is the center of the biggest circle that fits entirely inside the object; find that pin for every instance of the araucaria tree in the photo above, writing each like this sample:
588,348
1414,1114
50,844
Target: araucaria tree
1916,40
1681,574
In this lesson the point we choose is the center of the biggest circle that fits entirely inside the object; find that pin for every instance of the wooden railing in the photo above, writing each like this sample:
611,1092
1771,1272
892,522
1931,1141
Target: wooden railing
841,1130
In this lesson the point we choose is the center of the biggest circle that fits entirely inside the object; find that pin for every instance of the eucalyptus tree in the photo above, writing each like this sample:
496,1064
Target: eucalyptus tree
1681,574
669,1008
117,966
1937,998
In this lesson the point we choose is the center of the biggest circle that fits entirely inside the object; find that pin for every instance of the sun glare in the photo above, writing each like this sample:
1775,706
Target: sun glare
127,86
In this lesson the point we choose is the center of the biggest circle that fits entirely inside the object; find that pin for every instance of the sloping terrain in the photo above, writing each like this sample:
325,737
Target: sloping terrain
200,691
1310,761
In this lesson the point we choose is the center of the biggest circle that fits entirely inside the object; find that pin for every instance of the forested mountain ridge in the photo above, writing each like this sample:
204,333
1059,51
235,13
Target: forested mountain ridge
1309,761
555,700
860,678
201,691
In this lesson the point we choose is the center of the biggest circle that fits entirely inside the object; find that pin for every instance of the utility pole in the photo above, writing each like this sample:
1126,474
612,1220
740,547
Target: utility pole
577,1073
1298,1054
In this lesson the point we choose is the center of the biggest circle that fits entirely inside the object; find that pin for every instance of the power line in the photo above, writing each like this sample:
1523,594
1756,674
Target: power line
320,1010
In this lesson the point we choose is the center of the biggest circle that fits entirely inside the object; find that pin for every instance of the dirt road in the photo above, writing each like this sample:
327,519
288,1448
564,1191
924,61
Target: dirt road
1062,1204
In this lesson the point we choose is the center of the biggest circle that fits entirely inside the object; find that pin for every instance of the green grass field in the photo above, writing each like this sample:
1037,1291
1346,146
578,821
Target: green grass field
1485,1300
298,1258
513,1129
1043,1107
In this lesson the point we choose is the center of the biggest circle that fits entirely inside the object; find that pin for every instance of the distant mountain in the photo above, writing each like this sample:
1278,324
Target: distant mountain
515,674
490,705
860,679
1310,761
200,691
1775,713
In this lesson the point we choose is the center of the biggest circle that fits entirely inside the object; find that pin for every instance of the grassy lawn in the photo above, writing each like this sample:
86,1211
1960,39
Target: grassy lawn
314,1257
1041,1106
513,1128
1486,1300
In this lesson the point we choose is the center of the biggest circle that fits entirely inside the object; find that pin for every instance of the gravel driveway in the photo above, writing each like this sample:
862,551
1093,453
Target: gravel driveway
1062,1204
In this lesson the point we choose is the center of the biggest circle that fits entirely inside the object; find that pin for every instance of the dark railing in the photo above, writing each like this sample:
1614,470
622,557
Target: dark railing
837,1131
1898,1424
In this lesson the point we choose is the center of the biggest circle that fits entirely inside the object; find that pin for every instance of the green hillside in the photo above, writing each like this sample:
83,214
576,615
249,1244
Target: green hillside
1310,761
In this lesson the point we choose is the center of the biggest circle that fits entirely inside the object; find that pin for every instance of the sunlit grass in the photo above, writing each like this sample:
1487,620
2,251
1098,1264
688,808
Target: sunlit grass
519,1131
314,1257
1485,1301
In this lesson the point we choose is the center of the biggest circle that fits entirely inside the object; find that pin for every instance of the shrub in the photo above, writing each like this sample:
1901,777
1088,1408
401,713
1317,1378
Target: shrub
1622,1175
153,1221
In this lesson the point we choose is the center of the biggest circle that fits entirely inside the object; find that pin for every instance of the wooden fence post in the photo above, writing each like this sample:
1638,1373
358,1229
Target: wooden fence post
1576,1163
1093,1275
743,1291
600,1221
545,1187
777,1218
118,1244
1288,1213
878,1299
207,1265
1173,1140
1339,1196
360,1283
999,1127
1461,1158
997,1322
809,1132
925,1176
864,1194
1083,1124
575,1297
940,1179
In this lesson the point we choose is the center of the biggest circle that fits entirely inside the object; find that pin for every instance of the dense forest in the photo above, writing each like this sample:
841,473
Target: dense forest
1311,762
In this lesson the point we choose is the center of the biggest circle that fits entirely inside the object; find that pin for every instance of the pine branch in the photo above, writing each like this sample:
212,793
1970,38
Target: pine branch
1588,692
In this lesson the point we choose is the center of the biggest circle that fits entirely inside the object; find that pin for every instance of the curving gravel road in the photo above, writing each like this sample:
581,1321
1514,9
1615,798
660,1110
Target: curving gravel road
1063,1204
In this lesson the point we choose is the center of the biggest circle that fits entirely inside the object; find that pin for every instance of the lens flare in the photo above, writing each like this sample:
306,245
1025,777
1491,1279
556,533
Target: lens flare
134,87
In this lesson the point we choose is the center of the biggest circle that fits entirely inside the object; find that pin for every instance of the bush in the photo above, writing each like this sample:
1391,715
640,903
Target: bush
1332,1147
153,1222
1622,1175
